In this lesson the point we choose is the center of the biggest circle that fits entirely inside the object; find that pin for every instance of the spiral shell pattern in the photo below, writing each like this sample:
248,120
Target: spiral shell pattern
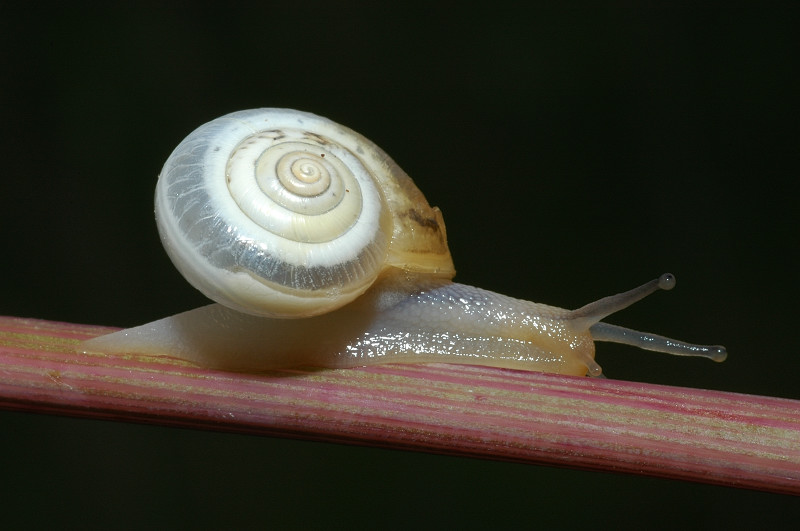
274,212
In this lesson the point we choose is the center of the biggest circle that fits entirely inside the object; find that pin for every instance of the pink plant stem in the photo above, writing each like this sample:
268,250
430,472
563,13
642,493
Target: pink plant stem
696,435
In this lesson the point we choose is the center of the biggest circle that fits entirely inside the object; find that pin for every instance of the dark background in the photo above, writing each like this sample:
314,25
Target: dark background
574,152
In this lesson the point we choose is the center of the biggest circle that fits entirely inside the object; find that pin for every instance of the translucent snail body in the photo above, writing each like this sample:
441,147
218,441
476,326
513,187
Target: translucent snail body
320,251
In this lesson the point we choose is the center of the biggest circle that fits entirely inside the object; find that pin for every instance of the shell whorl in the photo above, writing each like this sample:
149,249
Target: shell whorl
275,212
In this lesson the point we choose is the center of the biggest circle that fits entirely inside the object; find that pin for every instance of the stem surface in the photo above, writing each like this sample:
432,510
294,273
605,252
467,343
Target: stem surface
706,436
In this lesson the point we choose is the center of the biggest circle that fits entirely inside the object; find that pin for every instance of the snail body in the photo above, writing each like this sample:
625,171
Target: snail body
320,251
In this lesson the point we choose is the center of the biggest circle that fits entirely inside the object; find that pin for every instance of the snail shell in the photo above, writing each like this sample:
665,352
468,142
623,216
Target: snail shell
276,214
283,213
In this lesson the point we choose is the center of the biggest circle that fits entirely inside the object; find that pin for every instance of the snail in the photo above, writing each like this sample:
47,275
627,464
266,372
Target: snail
320,251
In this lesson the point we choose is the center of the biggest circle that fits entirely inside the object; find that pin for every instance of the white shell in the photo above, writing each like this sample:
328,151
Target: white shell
274,212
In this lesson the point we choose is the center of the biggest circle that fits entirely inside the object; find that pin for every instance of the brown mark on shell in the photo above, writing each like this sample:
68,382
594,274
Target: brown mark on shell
274,134
314,137
426,222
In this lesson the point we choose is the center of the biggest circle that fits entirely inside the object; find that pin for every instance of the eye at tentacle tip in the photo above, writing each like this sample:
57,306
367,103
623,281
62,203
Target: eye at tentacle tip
717,353
667,281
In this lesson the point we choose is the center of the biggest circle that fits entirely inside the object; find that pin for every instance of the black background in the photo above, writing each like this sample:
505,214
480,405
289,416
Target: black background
575,153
